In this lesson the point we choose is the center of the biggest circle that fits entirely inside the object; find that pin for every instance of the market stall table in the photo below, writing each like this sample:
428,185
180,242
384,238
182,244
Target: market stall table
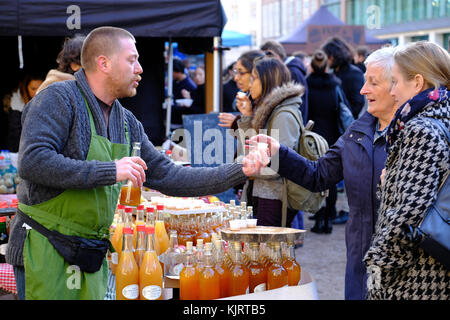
7,280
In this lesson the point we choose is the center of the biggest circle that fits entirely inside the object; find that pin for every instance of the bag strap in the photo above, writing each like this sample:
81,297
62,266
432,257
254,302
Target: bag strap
34,224
284,200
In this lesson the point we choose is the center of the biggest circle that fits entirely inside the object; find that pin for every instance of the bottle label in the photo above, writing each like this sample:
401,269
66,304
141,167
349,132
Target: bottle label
131,291
152,292
260,287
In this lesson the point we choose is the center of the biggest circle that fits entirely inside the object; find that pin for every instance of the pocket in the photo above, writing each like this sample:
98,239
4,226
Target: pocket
87,254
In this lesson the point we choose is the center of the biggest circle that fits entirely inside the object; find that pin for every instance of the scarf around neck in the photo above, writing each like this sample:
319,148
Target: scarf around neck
412,107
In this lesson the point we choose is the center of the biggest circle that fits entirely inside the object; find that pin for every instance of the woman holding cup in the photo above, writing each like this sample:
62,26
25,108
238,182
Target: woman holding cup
275,108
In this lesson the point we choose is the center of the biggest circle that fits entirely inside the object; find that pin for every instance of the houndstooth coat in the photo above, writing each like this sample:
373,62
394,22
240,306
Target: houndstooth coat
415,167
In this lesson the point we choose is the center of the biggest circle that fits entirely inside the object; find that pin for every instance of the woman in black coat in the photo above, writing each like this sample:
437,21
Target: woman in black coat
323,111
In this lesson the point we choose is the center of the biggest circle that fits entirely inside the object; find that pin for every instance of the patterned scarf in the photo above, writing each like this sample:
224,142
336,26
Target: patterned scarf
412,107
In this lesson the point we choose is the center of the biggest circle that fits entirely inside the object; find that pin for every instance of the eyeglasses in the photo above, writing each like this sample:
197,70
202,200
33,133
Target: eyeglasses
240,73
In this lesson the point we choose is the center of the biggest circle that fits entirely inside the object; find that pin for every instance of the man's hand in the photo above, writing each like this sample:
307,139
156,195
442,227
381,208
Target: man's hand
131,168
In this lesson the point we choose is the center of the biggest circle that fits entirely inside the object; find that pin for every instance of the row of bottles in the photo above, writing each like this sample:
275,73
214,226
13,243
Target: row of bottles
211,274
139,274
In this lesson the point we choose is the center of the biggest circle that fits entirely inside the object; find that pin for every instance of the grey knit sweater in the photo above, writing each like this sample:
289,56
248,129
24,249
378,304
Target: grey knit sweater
54,146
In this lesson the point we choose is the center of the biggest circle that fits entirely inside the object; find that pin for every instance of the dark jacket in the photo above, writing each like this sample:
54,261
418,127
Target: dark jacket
352,81
323,105
359,161
178,86
229,95
298,75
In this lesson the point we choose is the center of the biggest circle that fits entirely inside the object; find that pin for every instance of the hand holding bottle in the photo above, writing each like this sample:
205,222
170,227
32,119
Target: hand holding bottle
131,168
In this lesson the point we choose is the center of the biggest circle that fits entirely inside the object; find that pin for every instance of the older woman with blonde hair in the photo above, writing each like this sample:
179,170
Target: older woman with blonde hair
358,157
418,159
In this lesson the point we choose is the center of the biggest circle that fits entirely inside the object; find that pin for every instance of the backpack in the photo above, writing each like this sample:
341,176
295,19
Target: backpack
311,146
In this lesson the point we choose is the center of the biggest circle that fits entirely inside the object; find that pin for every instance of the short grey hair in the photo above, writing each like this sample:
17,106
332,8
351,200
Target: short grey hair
384,58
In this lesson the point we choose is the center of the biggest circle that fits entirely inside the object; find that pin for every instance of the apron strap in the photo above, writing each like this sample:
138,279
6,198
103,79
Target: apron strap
34,212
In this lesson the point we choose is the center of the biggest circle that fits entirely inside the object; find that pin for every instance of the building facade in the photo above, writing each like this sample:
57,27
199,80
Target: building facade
399,21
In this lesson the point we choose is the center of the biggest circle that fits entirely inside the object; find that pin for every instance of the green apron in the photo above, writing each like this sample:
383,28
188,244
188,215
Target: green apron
86,213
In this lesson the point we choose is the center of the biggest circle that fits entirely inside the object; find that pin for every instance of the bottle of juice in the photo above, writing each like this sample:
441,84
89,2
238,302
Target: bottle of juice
117,237
140,244
189,276
209,280
258,274
150,273
239,274
129,194
127,273
222,270
160,231
277,276
291,265
202,231
139,221
199,259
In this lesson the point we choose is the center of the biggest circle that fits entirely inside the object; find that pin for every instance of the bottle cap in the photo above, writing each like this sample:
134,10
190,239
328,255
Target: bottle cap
120,206
127,230
140,207
128,209
160,207
150,209
168,152
140,228
2,219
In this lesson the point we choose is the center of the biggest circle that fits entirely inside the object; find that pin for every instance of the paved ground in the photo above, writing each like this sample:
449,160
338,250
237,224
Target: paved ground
323,256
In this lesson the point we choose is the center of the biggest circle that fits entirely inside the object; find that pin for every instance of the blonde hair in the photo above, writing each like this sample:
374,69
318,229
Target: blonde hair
102,41
427,59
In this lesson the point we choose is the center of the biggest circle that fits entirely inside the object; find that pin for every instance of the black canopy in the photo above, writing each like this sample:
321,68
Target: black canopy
43,25
143,18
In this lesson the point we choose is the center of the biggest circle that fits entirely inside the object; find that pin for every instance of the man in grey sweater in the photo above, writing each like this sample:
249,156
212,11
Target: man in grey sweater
56,139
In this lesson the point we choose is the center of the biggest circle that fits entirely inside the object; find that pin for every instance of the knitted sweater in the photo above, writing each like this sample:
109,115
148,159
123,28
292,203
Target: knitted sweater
55,143
416,164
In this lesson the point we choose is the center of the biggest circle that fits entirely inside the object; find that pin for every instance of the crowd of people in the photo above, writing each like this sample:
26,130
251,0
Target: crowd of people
75,140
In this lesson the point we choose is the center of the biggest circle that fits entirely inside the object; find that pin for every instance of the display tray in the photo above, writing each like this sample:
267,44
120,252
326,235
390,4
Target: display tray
263,234
195,211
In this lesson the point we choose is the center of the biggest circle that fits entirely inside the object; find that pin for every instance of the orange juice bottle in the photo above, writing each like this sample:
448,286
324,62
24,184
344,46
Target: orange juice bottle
127,273
202,231
258,274
129,194
140,244
291,265
150,273
222,270
199,258
209,280
239,274
189,287
117,237
139,221
160,231
277,276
